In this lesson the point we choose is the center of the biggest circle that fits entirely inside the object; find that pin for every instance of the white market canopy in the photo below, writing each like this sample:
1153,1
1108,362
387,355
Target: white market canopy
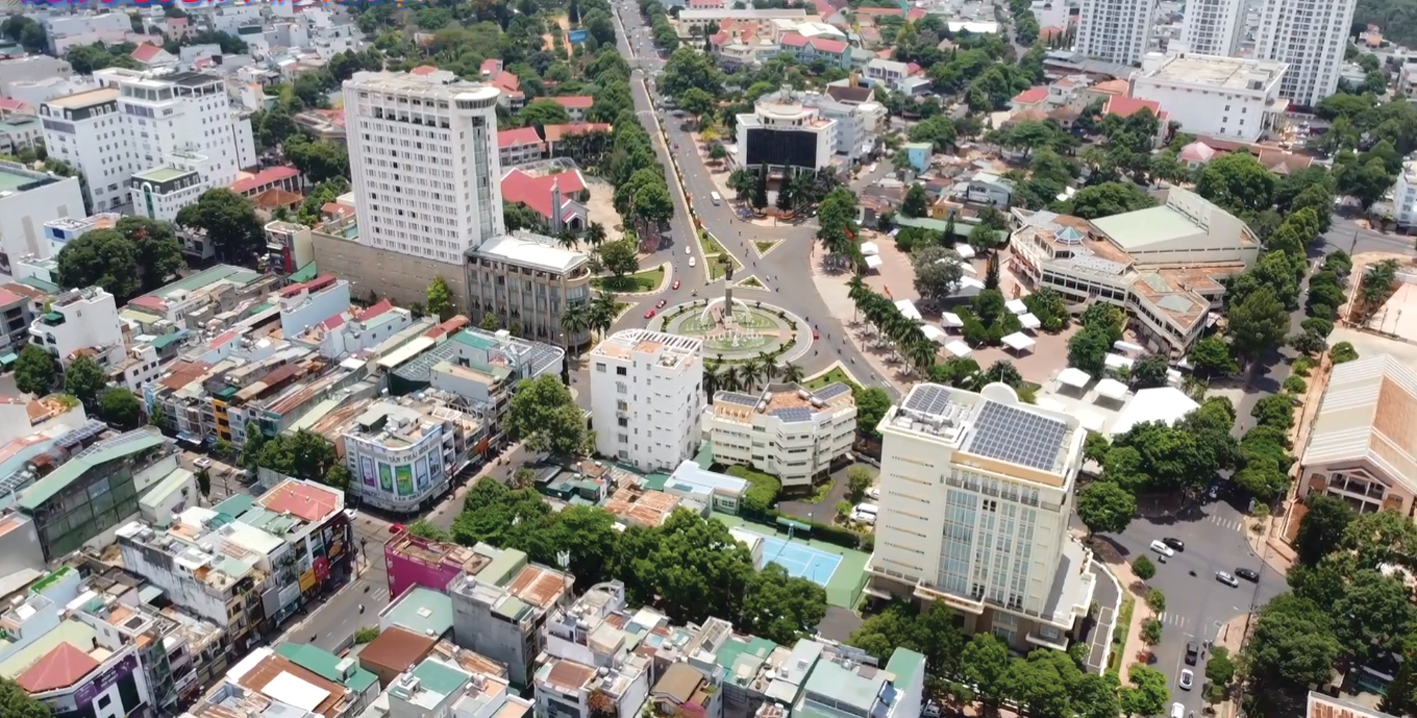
958,348
907,309
934,333
874,262
1074,377
1164,403
950,319
1111,388
1016,306
1029,321
1018,341
870,249
1117,361
1126,346
965,251
1091,421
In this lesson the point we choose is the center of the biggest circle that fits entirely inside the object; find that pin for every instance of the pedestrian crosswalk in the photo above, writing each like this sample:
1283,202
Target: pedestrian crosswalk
1172,619
1228,524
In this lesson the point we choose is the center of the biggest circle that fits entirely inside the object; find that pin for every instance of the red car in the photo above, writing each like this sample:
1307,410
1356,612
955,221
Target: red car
395,528
649,314
676,284
661,304
816,334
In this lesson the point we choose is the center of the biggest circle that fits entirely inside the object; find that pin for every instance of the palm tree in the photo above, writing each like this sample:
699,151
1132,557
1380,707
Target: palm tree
922,354
742,182
602,311
791,373
595,234
566,238
732,378
750,373
574,320
770,369
856,288
713,378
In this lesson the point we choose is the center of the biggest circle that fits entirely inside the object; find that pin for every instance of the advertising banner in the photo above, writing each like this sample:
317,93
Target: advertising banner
368,471
386,478
106,680
405,480
422,468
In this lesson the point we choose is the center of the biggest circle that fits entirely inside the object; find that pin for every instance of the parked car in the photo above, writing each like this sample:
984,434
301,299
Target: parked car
1193,652
1188,679
1226,579
1248,574
1175,543
1162,549
203,463
816,334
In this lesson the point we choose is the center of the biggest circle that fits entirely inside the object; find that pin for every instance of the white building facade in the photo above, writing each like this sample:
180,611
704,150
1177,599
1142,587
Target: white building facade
402,457
785,133
647,398
423,155
28,201
1404,195
81,319
1116,31
1228,97
788,431
86,131
1213,27
1310,36
976,490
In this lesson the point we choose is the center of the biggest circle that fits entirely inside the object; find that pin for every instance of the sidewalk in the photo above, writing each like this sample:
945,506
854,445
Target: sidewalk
1131,586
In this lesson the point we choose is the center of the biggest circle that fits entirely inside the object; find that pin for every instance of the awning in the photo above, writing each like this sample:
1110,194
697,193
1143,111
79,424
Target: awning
10,358
1117,361
874,262
958,348
952,320
1016,306
189,438
1126,346
870,249
1074,377
965,251
1018,341
934,333
907,309
1029,321
1111,388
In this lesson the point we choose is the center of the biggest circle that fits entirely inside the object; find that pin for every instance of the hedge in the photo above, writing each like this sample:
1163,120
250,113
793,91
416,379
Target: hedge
763,495
837,535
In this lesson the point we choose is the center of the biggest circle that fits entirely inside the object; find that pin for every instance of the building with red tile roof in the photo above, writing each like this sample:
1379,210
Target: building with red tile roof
1123,106
556,133
807,50
1030,99
423,70
284,177
511,87
61,667
542,194
150,55
520,146
303,500
576,105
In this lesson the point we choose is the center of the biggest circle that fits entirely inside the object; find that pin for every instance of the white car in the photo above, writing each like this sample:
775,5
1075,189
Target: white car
863,517
874,493
1163,549
203,463
1187,679
691,262
689,250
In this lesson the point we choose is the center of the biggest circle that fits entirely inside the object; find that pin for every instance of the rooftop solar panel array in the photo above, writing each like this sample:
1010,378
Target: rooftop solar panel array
1017,436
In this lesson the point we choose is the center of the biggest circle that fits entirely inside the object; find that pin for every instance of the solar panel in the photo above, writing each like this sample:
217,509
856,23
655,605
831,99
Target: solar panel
794,413
1017,436
928,399
831,391
736,398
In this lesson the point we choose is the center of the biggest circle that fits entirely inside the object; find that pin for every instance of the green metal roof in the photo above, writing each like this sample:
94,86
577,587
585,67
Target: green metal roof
236,505
50,486
162,342
903,663
1146,227
439,677
40,284
239,275
736,647
423,610
326,665
45,582
475,340
305,273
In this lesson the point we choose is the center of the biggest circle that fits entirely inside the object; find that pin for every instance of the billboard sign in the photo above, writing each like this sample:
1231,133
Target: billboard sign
106,680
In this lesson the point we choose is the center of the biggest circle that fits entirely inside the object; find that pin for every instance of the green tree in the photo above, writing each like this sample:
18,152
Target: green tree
937,272
222,449
1220,668
1257,325
1211,357
158,417
229,221
320,161
103,258
1104,506
1293,643
1238,182
1147,695
1156,600
779,607
1107,199
425,529
440,299
545,417
337,477
543,112
204,482
1151,632
303,455
35,371
1087,350
697,102
1143,568
917,202
1373,614
1383,537
120,408
1323,528
1342,352
85,379
858,480
871,406
1150,371
1042,683
156,248
620,258
985,664
366,634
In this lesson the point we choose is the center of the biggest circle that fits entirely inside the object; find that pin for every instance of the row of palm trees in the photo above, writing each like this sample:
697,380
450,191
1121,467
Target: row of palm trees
597,315
747,376
905,334
594,235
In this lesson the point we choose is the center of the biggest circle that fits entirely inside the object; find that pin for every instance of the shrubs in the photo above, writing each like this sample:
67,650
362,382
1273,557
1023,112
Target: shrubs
763,495
1343,352
1143,568
1296,385
1302,366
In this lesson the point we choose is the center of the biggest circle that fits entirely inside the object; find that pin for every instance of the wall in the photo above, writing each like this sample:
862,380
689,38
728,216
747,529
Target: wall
19,546
310,309
405,573
1206,114
22,217
399,277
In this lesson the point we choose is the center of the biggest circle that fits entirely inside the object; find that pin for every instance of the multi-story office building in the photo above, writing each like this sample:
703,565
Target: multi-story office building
858,118
647,398
1311,37
81,319
1231,98
86,131
29,200
404,453
17,312
791,432
423,155
161,191
783,132
500,602
527,280
1117,31
976,491
1213,27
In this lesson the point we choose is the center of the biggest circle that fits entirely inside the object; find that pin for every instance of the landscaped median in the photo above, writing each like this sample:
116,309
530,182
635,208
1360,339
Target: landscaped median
716,256
643,282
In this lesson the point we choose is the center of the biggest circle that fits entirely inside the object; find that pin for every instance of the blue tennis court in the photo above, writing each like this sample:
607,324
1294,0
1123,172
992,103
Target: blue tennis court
800,561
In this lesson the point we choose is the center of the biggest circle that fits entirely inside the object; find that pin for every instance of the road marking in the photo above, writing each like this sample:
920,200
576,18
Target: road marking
1230,524
1171,619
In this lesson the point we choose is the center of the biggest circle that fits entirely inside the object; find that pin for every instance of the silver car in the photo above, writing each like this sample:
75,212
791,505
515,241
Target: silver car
1188,679
1226,579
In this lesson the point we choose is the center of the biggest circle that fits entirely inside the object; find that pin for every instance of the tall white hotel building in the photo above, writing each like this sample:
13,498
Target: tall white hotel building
976,490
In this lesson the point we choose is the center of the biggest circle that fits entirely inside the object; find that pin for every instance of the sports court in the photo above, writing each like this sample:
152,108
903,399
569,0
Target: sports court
841,571
800,560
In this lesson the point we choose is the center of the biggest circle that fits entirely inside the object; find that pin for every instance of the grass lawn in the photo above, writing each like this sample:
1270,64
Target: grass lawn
1119,636
764,245
716,268
709,244
751,283
646,281
831,377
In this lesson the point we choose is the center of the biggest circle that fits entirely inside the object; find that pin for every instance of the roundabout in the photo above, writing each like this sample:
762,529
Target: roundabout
750,330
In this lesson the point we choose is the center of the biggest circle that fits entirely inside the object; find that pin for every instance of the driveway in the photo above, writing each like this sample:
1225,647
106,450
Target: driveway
825,510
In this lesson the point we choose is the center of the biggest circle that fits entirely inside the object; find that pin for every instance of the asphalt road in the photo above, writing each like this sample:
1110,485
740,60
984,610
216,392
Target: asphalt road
1196,606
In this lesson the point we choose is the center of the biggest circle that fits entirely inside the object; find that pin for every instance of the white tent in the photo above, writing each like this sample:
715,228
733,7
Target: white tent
1091,421
969,287
1018,341
965,251
934,333
1074,377
1117,361
1111,388
870,249
874,262
1029,321
1126,346
1051,405
1016,306
967,267
951,320
907,309
1165,403
958,348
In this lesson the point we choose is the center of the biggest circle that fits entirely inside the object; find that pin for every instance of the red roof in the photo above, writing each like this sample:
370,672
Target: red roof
1123,106
334,322
914,14
150,302
146,52
535,191
792,39
267,176
314,285
518,137
491,66
336,208
718,38
913,69
826,44
423,70
1031,96
448,327
303,501
12,105
8,297
62,667
824,8
554,133
374,310
507,81
575,102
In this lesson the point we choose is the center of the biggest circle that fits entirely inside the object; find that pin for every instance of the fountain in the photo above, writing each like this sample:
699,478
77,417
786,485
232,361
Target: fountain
732,328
